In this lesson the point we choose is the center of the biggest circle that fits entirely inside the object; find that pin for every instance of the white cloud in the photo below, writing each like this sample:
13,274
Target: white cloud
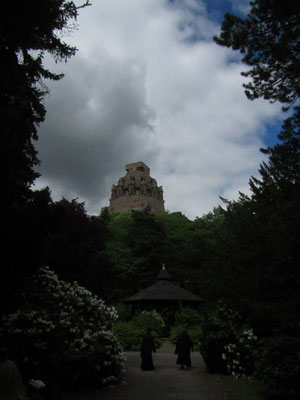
242,6
149,84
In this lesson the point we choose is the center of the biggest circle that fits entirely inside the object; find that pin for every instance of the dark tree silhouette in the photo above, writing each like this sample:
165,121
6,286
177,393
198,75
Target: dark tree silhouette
269,39
28,30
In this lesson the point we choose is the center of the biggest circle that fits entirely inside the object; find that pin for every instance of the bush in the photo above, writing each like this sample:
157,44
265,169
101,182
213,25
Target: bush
188,317
194,334
149,319
130,334
278,366
62,329
240,355
124,312
226,344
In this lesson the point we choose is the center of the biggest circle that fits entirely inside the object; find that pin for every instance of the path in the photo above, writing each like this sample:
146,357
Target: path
166,382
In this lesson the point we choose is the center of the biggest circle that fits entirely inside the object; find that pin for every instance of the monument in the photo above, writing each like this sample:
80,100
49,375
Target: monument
136,190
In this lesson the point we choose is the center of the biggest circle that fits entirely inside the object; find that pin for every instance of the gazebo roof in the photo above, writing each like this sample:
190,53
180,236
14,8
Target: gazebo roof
163,290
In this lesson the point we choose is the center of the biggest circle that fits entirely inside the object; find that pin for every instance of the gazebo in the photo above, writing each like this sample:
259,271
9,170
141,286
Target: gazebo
163,294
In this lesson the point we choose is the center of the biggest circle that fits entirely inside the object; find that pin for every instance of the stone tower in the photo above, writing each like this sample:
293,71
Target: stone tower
136,190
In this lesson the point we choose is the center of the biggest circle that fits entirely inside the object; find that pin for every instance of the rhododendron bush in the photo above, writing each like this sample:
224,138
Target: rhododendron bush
227,345
62,329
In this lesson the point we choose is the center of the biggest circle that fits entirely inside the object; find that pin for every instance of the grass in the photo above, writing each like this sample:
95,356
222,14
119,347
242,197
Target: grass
241,389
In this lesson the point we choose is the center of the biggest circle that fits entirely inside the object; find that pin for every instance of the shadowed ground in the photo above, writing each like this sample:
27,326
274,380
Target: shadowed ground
166,382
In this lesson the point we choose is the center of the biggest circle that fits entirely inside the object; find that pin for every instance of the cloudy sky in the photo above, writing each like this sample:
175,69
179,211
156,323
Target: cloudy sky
149,84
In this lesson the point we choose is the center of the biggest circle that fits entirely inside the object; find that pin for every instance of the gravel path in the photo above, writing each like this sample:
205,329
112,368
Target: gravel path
166,382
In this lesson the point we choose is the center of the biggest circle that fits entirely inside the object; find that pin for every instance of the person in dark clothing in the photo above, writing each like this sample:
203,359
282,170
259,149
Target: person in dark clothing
183,347
146,351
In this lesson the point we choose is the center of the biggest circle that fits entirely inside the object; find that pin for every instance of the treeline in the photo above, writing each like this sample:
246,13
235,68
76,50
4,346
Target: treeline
242,258
245,252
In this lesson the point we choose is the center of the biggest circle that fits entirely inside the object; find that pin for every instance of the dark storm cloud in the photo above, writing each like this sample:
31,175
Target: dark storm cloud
97,121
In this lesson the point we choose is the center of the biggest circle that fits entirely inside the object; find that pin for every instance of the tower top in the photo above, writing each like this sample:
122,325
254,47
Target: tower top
136,190
138,166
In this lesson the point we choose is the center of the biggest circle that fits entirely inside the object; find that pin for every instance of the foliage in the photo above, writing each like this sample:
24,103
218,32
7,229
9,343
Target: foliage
207,254
149,319
243,388
123,265
278,366
194,333
146,239
269,40
28,30
188,317
240,355
75,244
23,245
124,311
139,243
266,227
224,334
176,228
62,329
130,333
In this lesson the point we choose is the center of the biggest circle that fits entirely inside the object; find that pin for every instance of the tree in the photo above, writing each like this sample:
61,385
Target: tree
265,228
269,39
28,30
265,225
123,273
284,160
276,199
74,242
177,233
146,239
208,257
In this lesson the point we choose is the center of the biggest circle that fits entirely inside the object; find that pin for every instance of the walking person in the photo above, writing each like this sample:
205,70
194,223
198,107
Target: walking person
184,346
146,351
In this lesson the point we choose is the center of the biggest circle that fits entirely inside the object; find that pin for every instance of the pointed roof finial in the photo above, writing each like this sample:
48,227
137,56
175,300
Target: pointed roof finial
163,275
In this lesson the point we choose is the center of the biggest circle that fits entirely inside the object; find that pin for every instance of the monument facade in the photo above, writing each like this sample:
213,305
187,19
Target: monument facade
136,190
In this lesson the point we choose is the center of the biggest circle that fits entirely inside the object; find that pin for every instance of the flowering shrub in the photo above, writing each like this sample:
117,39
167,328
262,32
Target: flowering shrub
239,356
61,327
226,345
217,331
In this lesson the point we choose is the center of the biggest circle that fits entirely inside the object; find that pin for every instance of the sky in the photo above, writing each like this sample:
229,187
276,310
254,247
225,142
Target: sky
148,83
